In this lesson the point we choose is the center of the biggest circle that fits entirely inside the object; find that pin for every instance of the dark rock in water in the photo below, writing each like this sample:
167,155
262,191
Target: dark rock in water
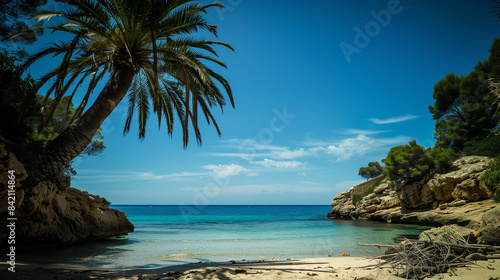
51,213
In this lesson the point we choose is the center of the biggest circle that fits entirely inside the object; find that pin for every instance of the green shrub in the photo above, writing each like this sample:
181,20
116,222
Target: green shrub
443,158
407,162
488,146
492,177
412,162
373,170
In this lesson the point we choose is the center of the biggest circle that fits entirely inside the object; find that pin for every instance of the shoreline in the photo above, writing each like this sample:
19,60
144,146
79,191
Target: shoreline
308,268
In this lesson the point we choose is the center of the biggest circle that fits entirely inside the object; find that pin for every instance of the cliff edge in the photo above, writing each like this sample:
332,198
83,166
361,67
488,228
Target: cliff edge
52,213
459,197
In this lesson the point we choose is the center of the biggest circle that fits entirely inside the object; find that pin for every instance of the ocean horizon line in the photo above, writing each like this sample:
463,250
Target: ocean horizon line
203,205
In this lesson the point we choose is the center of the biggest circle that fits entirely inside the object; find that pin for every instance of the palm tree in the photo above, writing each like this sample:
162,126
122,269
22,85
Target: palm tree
142,47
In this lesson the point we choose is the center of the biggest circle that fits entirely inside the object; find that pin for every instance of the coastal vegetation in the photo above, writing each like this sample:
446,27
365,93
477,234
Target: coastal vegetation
146,54
492,178
467,124
151,54
373,170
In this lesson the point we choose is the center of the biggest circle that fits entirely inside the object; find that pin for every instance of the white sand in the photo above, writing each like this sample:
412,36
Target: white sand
314,268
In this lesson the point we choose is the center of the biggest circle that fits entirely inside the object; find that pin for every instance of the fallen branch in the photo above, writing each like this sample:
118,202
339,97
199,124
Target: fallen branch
420,259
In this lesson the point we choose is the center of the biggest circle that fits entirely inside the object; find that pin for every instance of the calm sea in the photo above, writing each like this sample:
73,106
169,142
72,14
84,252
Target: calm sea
169,235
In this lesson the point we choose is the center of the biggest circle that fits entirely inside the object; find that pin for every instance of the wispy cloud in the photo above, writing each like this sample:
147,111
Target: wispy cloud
91,175
278,164
393,120
361,145
265,189
363,131
224,171
250,144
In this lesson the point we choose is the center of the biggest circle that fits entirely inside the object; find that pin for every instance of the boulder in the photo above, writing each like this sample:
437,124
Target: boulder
472,189
53,213
448,234
457,203
443,185
389,202
416,195
488,228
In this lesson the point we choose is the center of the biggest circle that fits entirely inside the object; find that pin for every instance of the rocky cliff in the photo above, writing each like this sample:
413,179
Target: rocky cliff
52,213
458,197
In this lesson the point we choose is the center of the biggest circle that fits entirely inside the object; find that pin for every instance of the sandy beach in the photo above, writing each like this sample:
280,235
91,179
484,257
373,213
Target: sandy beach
313,268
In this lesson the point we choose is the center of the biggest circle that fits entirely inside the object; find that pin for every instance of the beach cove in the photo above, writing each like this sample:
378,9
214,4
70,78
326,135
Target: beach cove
173,235
230,242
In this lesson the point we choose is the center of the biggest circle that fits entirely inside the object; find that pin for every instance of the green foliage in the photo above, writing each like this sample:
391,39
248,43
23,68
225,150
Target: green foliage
19,111
20,108
407,162
463,107
169,68
12,18
373,170
358,197
483,146
443,158
492,177
411,162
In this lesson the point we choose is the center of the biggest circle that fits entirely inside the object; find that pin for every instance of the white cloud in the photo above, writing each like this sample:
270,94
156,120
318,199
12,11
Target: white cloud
361,145
290,154
246,156
251,144
363,131
91,175
271,190
224,171
278,164
393,120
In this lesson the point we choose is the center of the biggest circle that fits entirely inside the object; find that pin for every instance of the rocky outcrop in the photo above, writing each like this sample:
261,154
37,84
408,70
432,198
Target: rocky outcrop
458,197
52,213
450,234
462,183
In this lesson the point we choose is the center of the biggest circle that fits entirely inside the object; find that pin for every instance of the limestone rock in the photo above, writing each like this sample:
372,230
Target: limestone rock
389,202
488,228
443,185
52,213
416,195
457,203
472,189
448,234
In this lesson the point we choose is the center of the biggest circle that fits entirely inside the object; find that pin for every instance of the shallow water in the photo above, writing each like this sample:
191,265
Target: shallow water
169,235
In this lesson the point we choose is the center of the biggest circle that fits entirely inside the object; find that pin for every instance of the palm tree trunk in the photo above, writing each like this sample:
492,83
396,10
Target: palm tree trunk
72,141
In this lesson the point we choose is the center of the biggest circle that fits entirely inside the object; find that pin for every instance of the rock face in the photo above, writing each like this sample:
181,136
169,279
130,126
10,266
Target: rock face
462,183
53,213
458,197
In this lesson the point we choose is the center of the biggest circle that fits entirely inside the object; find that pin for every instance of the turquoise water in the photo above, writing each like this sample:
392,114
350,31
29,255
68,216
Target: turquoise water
169,235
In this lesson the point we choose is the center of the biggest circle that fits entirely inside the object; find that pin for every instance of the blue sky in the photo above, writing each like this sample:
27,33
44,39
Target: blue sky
321,89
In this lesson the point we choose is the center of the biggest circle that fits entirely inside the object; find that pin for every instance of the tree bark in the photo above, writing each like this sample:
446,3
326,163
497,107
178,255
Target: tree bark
72,141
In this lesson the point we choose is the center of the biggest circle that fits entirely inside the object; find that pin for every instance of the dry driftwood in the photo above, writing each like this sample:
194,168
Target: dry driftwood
419,259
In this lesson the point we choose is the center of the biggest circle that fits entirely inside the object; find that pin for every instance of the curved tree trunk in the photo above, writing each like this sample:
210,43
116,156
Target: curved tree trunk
72,141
